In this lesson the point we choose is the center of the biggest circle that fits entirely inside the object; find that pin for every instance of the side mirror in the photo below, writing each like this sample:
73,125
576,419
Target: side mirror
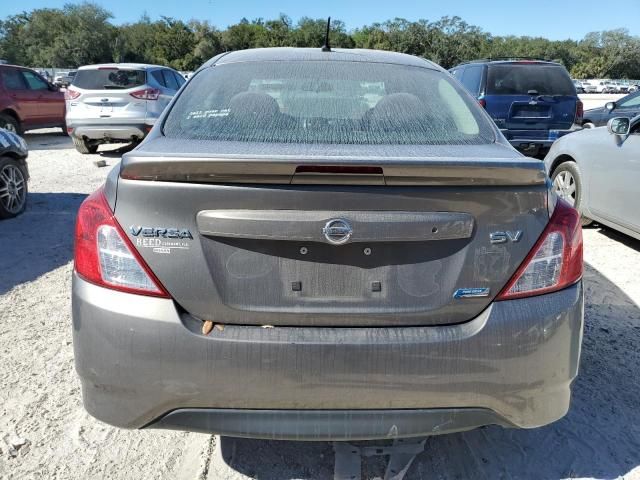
610,106
619,126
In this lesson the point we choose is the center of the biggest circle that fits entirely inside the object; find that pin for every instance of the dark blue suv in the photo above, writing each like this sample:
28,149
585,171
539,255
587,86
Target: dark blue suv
533,102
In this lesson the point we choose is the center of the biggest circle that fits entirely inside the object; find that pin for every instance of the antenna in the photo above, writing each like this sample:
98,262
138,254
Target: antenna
326,47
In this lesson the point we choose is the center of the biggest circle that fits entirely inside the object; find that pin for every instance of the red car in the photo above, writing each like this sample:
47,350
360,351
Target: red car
28,101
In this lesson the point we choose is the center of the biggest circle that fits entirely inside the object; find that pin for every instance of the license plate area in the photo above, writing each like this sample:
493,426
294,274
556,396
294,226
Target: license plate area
530,111
386,276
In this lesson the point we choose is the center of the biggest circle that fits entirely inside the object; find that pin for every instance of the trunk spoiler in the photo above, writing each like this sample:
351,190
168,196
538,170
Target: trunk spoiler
351,171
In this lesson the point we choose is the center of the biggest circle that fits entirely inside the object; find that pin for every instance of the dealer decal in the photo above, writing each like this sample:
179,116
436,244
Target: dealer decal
160,239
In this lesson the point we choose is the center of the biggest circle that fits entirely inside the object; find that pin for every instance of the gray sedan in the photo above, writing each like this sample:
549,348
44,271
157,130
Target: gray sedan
598,171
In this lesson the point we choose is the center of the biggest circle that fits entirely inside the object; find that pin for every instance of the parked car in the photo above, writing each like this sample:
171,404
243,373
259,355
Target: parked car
64,79
621,87
28,101
579,86
607,87
532,102
373,252
14,174
117,102
44,74
590,87
597,170
628,106
58,79
633,88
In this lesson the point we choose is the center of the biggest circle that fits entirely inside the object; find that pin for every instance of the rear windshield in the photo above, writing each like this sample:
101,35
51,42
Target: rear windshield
326,102
108,79
514,79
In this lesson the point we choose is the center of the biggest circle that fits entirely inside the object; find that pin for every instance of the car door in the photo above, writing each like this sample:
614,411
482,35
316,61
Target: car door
628,106
21,97
49,104
615,182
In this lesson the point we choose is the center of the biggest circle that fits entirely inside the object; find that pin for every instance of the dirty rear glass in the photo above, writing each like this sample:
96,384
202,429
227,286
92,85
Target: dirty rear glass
326,102
109,79
519,79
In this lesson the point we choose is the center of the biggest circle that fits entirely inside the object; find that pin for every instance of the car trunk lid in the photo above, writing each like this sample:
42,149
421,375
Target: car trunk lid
265,247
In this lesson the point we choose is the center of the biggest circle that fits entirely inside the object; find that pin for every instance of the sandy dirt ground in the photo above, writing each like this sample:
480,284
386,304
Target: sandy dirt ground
46,434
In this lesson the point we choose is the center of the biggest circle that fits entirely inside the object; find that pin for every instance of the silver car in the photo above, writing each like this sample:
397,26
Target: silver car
598,171
117,102
317,244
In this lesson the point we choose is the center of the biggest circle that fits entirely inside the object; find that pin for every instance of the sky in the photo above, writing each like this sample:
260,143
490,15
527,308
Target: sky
553,19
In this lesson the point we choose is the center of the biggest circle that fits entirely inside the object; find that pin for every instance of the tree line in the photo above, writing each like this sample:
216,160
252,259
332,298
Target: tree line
81,34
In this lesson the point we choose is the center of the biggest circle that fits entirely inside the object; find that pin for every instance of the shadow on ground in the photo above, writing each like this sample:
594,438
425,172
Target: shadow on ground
47,139
620,237
39,240
599,437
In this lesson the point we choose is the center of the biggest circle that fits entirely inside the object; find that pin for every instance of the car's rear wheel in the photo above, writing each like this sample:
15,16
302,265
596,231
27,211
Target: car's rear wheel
567,183
83,146
9,122
13,188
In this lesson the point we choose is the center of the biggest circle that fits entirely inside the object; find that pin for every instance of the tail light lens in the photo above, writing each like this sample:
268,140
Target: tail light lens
482,102
70,94
105,256
579,110
555,262
146,94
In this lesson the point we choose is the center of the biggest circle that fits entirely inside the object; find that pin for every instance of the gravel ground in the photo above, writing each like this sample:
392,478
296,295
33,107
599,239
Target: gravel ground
45,433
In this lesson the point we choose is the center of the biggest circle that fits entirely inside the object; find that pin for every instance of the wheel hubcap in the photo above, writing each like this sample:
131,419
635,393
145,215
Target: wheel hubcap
12,189
565,186
10,127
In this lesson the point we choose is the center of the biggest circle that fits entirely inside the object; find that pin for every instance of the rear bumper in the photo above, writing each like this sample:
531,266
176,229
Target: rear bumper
539,138
110,131
144,363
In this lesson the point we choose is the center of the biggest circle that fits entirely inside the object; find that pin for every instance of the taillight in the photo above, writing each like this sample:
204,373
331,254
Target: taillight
579,111
146,94
482,102
70,94
105,256
555,262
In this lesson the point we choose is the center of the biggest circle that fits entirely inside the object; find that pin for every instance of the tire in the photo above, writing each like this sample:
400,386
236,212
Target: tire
567,183
13,188
9,122
64,129
588,125
83,146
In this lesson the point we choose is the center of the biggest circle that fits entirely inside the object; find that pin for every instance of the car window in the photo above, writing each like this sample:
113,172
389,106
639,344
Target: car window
107,78
169,80
518,79
34,82
632,102
326,102
179,78
457,73
12,80
472,78
157,74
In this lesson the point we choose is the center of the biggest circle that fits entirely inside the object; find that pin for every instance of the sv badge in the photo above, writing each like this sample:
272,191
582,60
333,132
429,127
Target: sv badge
504,237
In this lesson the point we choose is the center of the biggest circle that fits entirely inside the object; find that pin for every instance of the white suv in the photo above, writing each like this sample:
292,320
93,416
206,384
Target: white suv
117,102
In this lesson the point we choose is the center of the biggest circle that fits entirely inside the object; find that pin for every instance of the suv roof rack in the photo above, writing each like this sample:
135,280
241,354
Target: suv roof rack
510,58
